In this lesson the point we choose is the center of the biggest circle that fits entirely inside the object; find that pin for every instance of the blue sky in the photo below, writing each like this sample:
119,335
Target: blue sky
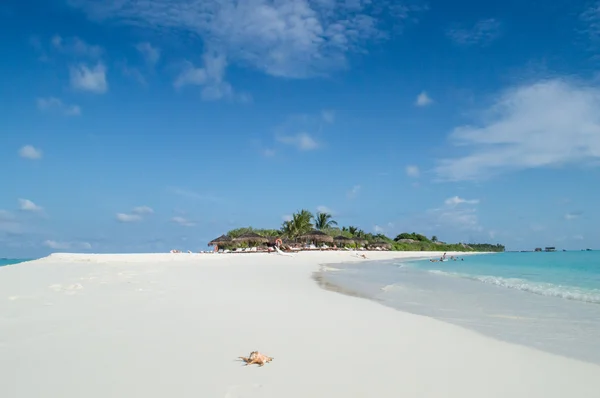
133,126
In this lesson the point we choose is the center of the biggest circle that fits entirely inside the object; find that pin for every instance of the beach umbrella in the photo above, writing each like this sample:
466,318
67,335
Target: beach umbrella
317,236
360,241
381,244
251,237
343,240
223,239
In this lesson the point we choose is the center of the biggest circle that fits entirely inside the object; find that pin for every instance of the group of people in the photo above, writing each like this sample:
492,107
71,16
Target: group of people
443,258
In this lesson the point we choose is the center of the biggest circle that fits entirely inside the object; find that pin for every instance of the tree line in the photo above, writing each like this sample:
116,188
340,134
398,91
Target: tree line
304,221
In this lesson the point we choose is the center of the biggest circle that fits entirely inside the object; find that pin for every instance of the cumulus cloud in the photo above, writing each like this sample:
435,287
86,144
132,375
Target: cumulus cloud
151,54
184,222
483,32
302,141
76,47
28,205
295,38
287,217
211,77
55,104
413,171
378,229
545,124
142,210
455,200
89,79
354,191
423,99
66,245
30,152
137,214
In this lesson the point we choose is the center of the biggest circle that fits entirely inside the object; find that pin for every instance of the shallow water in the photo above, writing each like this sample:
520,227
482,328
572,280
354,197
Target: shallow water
550,302
11,261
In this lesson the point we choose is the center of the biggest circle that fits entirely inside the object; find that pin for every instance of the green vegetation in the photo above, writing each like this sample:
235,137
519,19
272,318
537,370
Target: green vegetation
303,221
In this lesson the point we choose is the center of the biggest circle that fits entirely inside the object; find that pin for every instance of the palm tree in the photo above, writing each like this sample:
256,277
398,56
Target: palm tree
434,238
324,221
352,230
298,225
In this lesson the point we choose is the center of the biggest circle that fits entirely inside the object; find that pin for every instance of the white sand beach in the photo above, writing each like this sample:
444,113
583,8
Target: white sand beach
173,325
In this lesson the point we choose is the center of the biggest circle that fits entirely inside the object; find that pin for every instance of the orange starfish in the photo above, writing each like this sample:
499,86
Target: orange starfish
256,357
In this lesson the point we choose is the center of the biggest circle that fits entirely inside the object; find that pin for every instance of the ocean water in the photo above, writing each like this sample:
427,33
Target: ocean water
10,261
548,301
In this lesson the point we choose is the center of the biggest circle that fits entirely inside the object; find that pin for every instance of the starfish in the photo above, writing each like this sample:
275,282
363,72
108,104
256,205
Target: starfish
256,357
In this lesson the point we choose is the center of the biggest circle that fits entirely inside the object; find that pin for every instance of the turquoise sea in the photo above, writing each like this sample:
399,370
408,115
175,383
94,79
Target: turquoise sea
10,261
549,301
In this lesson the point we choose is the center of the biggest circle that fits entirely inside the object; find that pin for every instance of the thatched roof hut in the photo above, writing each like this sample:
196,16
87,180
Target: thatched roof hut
317,236
251,237
221,240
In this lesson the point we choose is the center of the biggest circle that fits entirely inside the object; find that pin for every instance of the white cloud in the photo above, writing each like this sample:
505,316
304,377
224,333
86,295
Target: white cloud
30,152
75,46
211,77
86,79
302,141
137,214
328,116
546,124
295,38
182,221
151,54
591,18
324,209
423,99
28,205
52,103
573,215
354,191
287,217
123,217
413,171
452,216
483,32
56,245
378,229
142,210
455,200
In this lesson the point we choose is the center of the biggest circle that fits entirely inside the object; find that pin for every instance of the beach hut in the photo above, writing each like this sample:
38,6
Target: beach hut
223,239
250,238
317,236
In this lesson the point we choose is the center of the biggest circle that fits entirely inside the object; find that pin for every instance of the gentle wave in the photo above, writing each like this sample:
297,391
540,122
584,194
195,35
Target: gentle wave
544,289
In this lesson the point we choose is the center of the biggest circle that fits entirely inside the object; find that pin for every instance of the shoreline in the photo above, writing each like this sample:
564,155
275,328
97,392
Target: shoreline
174,324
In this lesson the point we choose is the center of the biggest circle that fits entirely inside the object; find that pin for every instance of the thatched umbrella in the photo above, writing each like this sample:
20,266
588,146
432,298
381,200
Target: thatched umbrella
317,236
251,237
384,245
221,240
343,240
360,241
